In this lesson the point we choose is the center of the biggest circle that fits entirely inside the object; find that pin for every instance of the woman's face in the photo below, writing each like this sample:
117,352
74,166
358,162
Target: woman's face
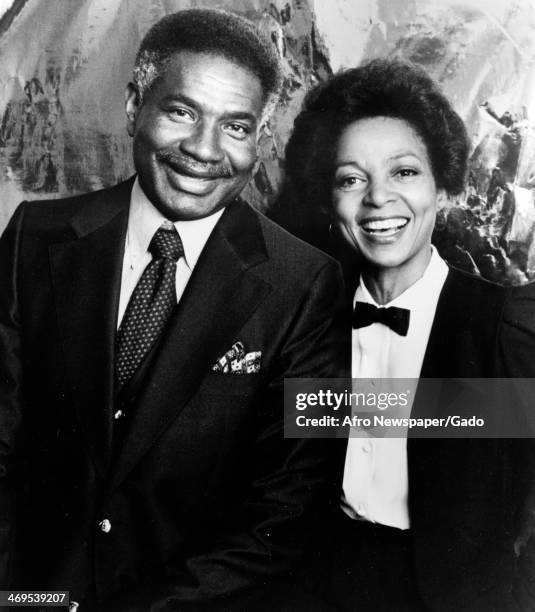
384,197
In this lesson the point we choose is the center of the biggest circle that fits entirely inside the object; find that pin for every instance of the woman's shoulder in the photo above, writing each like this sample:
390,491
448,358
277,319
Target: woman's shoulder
469,287
520,307
506,314
518,331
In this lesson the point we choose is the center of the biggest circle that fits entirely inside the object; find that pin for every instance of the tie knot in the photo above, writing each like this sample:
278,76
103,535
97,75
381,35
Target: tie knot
166,244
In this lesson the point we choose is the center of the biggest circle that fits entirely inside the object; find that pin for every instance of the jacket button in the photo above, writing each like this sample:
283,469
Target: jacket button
105,526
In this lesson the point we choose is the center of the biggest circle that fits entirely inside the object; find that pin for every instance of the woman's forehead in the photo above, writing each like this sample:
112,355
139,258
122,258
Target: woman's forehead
380,137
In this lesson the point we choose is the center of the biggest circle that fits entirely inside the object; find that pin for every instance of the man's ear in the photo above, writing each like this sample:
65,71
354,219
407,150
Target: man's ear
258,159
131,105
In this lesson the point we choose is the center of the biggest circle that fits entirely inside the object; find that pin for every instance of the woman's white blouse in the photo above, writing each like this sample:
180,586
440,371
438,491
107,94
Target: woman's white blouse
375,485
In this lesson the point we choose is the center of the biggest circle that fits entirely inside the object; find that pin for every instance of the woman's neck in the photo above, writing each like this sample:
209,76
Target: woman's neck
386,284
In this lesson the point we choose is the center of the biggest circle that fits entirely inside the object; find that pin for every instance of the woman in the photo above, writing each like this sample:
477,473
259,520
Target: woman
430,524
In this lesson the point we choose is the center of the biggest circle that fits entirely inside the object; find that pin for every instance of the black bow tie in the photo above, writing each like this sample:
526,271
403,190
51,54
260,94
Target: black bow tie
395,318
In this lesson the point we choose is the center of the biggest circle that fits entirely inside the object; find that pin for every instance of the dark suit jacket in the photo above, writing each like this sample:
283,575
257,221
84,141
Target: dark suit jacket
469,498
205,498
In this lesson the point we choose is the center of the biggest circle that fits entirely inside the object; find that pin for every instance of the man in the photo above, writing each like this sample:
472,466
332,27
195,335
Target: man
145,333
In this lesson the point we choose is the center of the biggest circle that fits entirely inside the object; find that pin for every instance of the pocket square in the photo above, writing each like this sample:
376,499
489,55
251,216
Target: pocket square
237,361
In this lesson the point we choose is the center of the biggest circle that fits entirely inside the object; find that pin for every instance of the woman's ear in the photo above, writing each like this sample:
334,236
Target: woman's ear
442,198
325,210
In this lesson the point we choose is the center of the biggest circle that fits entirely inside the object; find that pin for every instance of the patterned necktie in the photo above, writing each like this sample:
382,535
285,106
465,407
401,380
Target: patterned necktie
150,306
395,318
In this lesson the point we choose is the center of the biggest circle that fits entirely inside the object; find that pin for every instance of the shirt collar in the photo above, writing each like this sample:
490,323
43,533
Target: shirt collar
144,219
421,292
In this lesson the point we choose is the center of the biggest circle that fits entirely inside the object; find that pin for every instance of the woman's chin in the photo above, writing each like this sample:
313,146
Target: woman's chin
384,257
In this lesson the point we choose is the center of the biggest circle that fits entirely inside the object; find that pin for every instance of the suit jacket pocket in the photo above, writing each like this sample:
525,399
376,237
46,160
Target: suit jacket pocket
218,383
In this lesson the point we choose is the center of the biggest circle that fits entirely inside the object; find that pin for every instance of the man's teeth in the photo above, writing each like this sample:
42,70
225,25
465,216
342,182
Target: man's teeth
384,226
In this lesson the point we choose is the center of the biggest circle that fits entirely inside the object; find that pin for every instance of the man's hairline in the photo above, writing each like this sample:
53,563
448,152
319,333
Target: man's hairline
270,98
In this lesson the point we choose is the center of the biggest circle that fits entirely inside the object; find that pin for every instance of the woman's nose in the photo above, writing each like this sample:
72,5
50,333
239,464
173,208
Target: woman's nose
379,193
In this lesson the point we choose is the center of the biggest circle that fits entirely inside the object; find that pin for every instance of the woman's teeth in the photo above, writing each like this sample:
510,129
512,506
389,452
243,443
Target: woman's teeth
385,227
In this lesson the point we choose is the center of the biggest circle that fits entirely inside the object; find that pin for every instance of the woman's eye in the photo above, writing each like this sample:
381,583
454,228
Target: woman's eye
349,182
406,172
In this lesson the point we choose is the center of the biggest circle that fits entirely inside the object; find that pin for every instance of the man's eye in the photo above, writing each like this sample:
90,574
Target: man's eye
237,130
180,114
346,183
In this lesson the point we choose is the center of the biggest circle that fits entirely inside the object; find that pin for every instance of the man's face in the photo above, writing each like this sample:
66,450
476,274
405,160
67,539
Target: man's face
195,134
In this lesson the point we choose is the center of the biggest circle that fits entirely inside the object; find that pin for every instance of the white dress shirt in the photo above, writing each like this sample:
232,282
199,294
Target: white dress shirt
375,485
143,221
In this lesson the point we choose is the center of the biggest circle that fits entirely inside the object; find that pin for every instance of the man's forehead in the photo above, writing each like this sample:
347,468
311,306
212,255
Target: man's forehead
210,75
193,61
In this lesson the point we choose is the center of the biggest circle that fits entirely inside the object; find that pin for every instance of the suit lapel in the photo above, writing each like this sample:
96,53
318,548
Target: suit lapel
86,276
221,295
451,330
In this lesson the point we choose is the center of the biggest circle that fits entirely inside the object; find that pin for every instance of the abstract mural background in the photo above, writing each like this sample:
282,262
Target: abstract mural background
64,66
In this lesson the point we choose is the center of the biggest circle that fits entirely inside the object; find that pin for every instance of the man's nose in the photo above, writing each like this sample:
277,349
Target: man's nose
379,193
203,143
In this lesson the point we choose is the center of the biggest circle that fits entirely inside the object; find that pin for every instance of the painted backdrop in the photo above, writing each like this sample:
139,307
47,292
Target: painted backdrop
64,65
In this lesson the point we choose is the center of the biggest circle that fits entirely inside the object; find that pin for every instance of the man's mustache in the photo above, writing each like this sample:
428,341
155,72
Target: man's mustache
191,167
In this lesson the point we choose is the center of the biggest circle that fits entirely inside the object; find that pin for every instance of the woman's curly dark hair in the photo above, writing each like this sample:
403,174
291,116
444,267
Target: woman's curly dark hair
382,87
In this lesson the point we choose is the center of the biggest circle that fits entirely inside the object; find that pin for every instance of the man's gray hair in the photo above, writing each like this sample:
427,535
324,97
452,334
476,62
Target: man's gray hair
212,32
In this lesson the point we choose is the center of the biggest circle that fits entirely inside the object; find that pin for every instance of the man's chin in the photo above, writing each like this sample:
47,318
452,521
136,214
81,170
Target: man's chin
187,207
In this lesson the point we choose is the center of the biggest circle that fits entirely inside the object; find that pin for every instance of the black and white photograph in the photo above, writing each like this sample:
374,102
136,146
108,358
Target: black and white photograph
221,225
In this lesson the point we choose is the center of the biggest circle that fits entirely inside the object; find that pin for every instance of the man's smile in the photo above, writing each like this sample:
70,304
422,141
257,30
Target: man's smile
189,182
189,176
187,166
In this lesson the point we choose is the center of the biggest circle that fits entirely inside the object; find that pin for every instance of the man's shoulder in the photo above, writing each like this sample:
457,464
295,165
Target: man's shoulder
288,250
54,213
